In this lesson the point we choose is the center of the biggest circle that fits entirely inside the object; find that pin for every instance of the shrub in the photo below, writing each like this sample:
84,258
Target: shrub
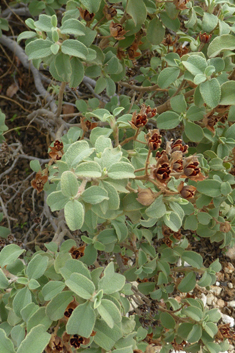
129,180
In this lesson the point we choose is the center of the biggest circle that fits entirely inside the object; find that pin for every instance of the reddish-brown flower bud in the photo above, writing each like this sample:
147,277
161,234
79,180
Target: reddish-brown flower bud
182,50
176,162
109,12
138,120
210,121
77,252
145,196
153,138
204,37
188,191
225,227
86,15
168,242
177,145
151,112
40,180
70,308
77,340
117,31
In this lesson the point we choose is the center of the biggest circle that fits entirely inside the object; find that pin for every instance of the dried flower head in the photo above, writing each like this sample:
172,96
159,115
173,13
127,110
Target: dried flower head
145,196
120,53
176,162
138,120
56,152
117,31
181,4
187,191
204,37
192,169
168,242
109,12
58,145
77,340
210,121
70,308
86,15
161,171
77,252
177,145
182,50
153,139
40,180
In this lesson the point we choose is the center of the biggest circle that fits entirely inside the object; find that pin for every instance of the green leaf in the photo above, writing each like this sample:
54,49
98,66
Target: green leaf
193,131
35,165
77,73
76,152
89,169
6,345
56,200
3,280
192,258
195,114
195,334
187,283
72,26
94,195
220,43
111,282
26,35
178,103
211,329
105,336
193,312
173,221
109,312
74,214
9,254
121,170
138,13
228,93
209,187
195,64
37,266
4,232
211,92
17,334
167,320
101,84
37,338
91,6
39,317
21,299
51,289
56,308
155,31
75,48
81,285
209,22
205,280
69,184
63,67
82,320
213,315
168,120
38,49
114,201
156,209
167,76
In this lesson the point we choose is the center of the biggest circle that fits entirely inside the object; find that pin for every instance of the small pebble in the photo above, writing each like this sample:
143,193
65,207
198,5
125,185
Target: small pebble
232,303
217,283
220,303
229,268
227,319
216,290
230,285
203,298
210,299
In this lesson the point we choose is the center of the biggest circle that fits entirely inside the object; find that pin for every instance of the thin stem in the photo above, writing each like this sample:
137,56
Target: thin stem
147,162
60,99
130,138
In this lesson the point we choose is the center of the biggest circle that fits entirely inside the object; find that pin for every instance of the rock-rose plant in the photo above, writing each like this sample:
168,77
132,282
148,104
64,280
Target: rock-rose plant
130,180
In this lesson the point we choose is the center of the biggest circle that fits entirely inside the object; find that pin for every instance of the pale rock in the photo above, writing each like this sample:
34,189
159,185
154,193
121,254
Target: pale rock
230,285
203,299
232,303
210,299
229,268
231,253
220,303
216,290
227,319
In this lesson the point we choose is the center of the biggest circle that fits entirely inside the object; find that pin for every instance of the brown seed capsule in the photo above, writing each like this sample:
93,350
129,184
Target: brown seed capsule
145,196
204,37
40,180
86,15
117,31
77,252
192,169
161,171
188,191
58,145
225,227
153,138
181,4
109,12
